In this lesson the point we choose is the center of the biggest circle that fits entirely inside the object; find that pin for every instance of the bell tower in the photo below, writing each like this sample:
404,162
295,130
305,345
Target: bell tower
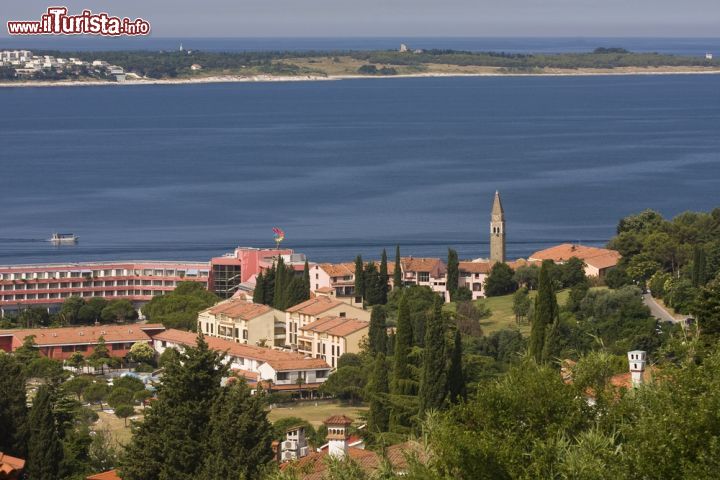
497,231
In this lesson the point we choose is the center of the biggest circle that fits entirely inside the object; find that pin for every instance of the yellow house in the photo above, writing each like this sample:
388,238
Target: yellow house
331,336
302,314
243,322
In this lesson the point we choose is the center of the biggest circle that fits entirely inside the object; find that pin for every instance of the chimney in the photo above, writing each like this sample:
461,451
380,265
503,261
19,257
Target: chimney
637,360
338,434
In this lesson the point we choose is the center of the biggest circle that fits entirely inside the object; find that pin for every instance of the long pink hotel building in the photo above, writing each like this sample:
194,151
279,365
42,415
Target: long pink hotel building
36,285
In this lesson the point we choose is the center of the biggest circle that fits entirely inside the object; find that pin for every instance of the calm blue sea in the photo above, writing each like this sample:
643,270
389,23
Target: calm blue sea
348,167
676,46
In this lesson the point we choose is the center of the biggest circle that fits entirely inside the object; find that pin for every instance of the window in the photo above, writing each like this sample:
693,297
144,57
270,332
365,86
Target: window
245,334
67,348
424,276
81,348
118,346
321,374
342,315
283,376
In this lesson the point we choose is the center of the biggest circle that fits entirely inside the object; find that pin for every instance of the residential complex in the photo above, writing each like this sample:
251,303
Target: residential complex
25,64
330,337
598,261
238,320
298,317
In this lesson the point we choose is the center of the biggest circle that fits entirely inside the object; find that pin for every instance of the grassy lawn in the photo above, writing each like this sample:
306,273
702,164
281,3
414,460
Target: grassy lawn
316,413
116,426
502,314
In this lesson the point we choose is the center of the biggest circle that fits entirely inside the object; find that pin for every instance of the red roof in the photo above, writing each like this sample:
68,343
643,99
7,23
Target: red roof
10,465
239,308
336,326
86,335
596,257
109,475
338,420
315,306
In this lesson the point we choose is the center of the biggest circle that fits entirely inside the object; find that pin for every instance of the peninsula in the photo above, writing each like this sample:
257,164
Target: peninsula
183,66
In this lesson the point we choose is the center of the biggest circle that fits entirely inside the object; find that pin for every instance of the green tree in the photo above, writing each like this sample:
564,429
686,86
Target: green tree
238,419
171,440
359,277
545,313
124,411
119,311
500,281
397,269
142,352
433,374
572,272
259,291
70,309
97,392
456,378
306,281
45,450
384,278
77,385
402,383
377,332
76,360
346,383
527,276
375,292
100,355
699,267
378,390
707,308
453,273
521,304
119,396
13,406
27,352
180,308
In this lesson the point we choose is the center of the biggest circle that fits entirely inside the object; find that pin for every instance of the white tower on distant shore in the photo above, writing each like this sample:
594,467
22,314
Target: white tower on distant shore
637,360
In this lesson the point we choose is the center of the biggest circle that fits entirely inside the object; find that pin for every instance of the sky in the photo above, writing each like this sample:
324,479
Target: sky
420,18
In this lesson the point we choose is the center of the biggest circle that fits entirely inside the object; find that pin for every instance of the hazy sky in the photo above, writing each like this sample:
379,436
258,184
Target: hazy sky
244,18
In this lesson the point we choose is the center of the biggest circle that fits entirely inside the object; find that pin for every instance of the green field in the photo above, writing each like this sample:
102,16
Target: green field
316,413
502,314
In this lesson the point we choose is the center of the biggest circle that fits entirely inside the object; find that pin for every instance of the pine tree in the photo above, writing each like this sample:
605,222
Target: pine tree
359,277
402,373
45,450
453,273
383,278
172,439
379,414
239,436
397,272
306,281
377,331
259,292
433,374
13,407
544,313
456,378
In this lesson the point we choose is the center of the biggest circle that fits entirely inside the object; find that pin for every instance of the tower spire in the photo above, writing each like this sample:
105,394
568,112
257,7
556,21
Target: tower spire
497,231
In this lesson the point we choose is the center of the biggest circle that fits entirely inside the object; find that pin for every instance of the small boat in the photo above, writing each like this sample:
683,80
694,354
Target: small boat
63,238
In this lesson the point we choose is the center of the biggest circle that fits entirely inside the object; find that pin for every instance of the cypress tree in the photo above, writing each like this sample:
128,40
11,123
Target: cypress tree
433,375
281,281
45,450
171,442
383,278
373,285
456,379
306,281
296,292
453,273
402,373
13,407
544,313
359,277
379,414
259,292
239,423
552,347
397,271
377,331
269,287
699,276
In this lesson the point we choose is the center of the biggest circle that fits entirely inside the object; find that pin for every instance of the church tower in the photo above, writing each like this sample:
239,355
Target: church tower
497,231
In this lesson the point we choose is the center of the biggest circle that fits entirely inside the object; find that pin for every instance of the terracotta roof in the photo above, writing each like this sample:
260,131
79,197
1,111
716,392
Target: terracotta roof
325,290
594,256
109,475
337,326
278,360
238,308
315,306
338,420
314,466
520,262
475,267
398,455
338,269
412,264
134,332
10,465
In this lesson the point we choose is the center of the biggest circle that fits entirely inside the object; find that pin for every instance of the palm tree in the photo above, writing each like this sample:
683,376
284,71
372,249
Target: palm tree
300,381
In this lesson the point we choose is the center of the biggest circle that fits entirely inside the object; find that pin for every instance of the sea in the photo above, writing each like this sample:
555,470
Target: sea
188,172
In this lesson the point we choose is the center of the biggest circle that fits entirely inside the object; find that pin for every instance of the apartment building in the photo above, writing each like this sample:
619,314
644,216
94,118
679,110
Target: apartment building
339,278
47,285
332,336
598,261
278,369
303,314
241,321
61,343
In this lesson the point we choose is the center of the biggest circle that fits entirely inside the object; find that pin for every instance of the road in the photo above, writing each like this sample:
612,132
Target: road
658,311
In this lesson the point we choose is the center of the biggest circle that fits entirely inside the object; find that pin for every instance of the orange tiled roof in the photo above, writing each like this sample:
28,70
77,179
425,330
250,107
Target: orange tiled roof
239,308
338,420
593,256
10,465
325,290
109,475
412,264
278,360
475,267
135,332
337,326
338,269
315,306
314,465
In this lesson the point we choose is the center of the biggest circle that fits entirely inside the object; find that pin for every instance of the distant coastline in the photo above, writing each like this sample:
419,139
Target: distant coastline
317,78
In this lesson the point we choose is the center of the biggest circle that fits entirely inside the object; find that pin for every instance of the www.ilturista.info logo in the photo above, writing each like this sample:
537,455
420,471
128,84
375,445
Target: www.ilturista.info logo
57,22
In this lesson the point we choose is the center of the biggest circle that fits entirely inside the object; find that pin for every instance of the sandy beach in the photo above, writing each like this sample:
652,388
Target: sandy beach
316,78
